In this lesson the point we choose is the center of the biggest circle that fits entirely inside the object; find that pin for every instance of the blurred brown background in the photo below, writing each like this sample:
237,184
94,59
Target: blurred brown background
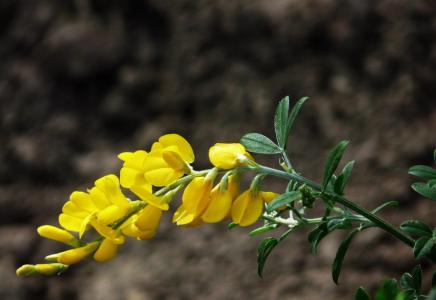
81,81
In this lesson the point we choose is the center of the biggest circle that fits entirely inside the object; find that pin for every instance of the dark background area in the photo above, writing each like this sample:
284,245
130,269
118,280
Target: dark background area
81,81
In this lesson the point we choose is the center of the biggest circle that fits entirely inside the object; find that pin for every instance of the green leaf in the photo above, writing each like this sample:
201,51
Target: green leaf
316,235
333,161
320,232
263,251
280,122
434,156
425,190
389,291
294,113
263,229
258,143
386,204
232,225
361,294
423,247
340,255
283,199
407,282
424,172
417,278
416,227
342,179
432,295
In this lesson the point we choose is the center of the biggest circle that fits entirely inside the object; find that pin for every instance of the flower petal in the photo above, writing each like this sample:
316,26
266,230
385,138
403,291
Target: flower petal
107,251
185,149
219,206
83,200
70,223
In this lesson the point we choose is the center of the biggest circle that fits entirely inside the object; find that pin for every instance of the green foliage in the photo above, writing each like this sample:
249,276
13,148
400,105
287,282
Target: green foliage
283,200
332,162
263,251
361,294
427,189
232,225
284,121
340,255
416,228
384,205
281,122
424,172
320,232
258,143
343,177
389,291
263,229
423,247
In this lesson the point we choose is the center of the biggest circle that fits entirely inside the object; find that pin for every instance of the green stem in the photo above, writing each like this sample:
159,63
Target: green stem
342,200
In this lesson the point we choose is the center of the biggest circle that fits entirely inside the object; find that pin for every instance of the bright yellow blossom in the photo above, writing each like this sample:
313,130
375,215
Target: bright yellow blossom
105,201
168,160
106,251
228,156
132,172
195,200
219,206
247,208
144,224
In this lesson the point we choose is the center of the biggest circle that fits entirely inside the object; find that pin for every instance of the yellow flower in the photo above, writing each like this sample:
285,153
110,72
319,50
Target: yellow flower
195,200
233,185
168,160
247,208
132,172
228,156
105,201
57,234
75,255
106,251
144,224
219,206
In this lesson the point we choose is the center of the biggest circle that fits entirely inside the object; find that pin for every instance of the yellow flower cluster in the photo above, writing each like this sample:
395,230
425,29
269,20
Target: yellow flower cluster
106,210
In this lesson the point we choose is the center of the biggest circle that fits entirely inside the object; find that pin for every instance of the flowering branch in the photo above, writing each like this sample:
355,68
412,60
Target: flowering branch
213,195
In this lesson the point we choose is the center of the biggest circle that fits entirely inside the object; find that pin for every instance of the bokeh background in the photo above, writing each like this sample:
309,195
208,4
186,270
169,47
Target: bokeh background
81,81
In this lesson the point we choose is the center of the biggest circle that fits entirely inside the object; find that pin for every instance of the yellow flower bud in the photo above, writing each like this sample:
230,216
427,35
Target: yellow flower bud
247,208
76,255
50,269
57,234
26,270
106,251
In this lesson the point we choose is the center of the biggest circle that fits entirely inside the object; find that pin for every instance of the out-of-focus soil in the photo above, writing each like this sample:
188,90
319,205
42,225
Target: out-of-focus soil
81,81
